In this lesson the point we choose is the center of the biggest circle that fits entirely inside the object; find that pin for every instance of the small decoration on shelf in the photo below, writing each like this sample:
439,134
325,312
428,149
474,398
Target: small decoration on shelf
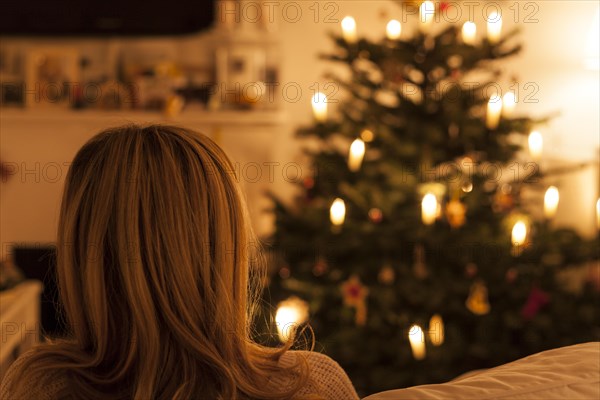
477,302
355,294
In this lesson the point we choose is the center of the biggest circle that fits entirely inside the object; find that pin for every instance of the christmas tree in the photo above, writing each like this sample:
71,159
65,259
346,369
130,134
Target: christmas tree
412,251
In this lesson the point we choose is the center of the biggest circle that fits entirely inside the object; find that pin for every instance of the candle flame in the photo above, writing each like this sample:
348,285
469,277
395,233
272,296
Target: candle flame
337,212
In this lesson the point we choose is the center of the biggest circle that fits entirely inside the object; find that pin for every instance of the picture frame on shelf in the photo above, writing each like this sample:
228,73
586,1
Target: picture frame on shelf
240,76
52,77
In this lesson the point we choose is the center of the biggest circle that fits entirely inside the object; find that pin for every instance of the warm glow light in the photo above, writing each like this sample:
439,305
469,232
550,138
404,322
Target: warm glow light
429,209
536,144
436,330
417,342
508,104
494,27
319,106
469,30
290,313
551,202
337,212
357,152
494,109
519,233
393,29
349,29
426,13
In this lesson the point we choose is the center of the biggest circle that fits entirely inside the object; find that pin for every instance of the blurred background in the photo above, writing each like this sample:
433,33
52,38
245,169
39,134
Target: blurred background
246,73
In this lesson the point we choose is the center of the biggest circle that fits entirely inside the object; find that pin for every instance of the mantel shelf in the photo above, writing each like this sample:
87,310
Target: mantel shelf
191,116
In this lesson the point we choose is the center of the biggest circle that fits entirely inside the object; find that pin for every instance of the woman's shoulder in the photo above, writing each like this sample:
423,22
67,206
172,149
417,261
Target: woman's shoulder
47,387
331,378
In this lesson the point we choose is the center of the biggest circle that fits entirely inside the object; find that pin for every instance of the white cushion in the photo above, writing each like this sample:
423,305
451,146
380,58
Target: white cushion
571,372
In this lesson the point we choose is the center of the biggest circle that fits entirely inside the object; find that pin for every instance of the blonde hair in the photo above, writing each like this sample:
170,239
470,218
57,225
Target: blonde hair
159,274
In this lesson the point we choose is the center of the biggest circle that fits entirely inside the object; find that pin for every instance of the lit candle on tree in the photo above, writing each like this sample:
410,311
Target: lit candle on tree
436,330
494,109
417,342
469,30
357,152
429,209
494,27
508,104
349,29
518,237
551,202
337,212
393,29
426,14
319,106
536,144
290,314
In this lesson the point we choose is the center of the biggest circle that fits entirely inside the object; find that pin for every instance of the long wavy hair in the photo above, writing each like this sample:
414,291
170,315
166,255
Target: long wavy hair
159,273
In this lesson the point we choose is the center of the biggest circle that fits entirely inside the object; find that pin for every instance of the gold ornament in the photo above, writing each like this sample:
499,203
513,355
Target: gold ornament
477,302
355,295
455,213
387,275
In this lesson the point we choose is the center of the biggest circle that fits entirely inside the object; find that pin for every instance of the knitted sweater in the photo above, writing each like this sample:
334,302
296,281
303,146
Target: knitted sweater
333,382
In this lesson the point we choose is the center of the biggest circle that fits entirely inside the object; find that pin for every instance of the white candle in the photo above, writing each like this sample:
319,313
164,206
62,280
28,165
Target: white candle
393,29
551,202
494,27
494,109
508,104
337,212
436,330
518,236
290,313
429,209
319,106
536,144
349,29
469,30
426,13
357,152
417,342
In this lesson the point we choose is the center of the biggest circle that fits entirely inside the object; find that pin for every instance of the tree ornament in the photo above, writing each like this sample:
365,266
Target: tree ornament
503,201
320,267
419,266
455,213
375,215
536,300
471,270
511,275
477,302
355,295
386,275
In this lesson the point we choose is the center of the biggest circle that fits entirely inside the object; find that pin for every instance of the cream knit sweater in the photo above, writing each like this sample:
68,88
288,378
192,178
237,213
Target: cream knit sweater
331,379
